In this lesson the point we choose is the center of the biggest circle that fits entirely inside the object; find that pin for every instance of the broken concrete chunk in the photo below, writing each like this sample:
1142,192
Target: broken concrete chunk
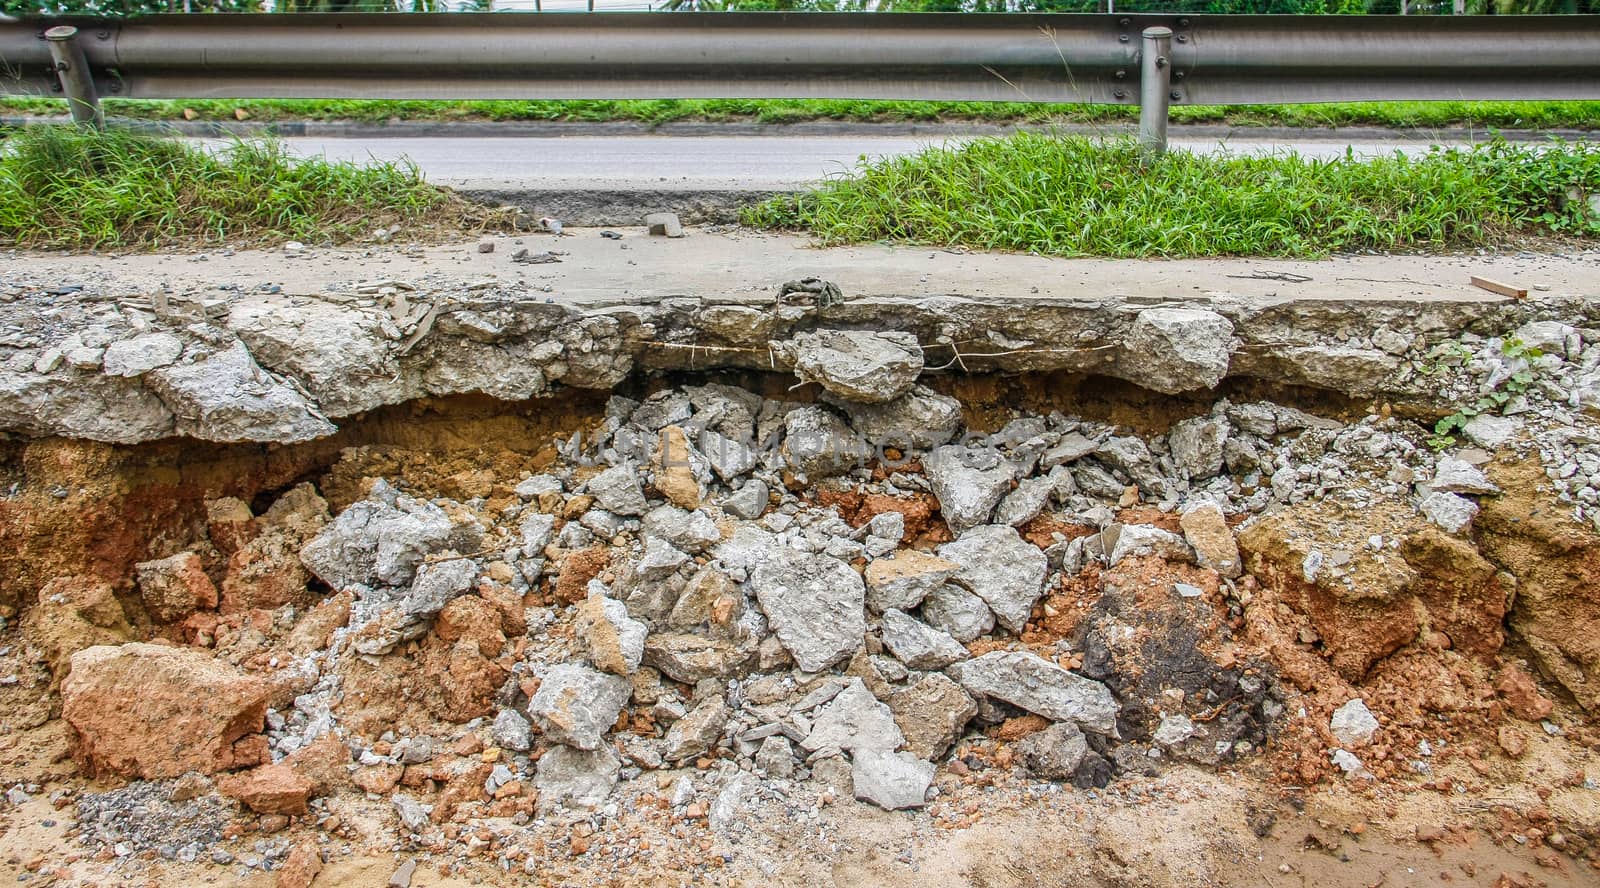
512,731
228,397
960,613
436,585
1353,724
1458,476
1137,540
696,733
1173,350
969,482
1000,567
818,444
379,540
868,366
814,604
853,720
694,658
729,458
1197,446
575,778
1206,530
1039,686
904,580
917,644
659,560
1055,752
576,705
617,490
775,758
920,419
615,640
891,780
664,224
931,714
748,502
141,354
1449,511
692,532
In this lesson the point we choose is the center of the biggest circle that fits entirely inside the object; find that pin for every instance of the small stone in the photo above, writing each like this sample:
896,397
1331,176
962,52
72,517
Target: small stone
1197,446
664,224
1353,724
1137,540
512,731
660,560
617,490
1449,511
693,658
748,502
1173,730
269,789
1055,752
615,640
692,532
175,587
891,780
1458,476
576,778
1206,530
486,244
696,733
1489,431
931,714
775,758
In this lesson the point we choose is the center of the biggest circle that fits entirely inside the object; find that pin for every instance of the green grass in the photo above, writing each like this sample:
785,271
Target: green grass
1498,115
1072,196
64,187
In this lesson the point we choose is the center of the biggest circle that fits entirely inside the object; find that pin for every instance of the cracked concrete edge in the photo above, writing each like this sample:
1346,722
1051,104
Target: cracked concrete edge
309,363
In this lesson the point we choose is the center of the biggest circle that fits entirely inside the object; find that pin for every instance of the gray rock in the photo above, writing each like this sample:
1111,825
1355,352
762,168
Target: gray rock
818,444
904,580
1131,455
1549,337
663,224
694,658
917,644
1173,731
512,731
536,529
958,612
891,780
533,487
920,419
775,758
814,604
852,721
1055,752
1137,540
614,639
696,733
729,458
725,808
1096,480
664,408
617,490
1353,724
1039,686
412,813
748,502
1000,567
1491,432
1449,511
1197,446
436,585
228,397
869,366
931,714
377,540
576,705
1029,499
692,532
1071,448
1458,476
576,778
141,354
659,560
1173,350
969,482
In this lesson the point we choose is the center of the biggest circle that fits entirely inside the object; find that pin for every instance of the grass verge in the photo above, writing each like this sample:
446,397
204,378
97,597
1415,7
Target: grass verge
1498,115
1072,196
64,187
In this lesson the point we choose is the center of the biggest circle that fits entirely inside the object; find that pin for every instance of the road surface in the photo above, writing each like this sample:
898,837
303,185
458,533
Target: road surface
698,163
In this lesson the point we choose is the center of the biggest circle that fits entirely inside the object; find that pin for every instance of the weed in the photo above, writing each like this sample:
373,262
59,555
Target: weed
63,187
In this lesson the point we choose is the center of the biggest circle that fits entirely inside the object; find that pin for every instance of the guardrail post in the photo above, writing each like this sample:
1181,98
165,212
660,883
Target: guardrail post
72,68
1155,79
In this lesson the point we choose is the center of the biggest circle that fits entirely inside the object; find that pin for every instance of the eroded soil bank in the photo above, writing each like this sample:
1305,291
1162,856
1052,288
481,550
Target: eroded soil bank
882,626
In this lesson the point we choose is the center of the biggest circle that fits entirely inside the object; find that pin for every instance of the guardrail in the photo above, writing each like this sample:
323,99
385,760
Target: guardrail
1151,60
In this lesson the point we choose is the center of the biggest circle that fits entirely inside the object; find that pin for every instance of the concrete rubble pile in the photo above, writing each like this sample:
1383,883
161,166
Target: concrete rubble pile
711,599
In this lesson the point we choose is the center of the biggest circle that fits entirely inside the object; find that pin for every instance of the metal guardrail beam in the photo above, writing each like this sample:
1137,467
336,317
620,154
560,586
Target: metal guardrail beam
1006,57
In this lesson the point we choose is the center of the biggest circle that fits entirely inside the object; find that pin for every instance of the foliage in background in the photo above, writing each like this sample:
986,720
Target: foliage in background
1072,196
64,187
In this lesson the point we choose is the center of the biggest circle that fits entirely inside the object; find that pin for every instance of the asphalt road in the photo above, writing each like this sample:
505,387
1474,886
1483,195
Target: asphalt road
697,162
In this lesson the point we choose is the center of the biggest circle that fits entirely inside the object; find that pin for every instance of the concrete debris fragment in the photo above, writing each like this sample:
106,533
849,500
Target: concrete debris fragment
891,780
576,705
1000,567
814,603
867,366
663,224
1039,686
